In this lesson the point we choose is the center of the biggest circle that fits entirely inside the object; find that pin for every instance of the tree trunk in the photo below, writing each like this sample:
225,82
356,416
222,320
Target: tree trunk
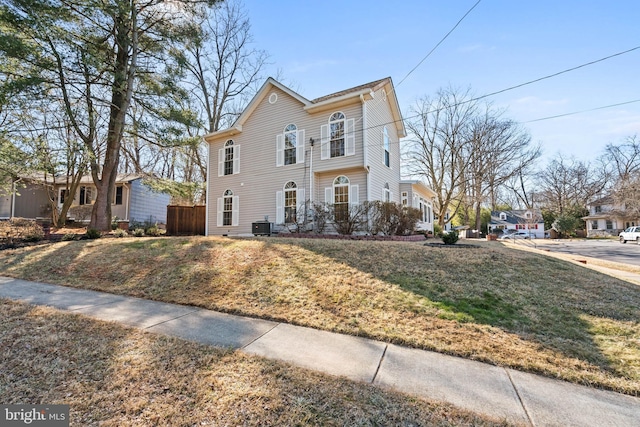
125,67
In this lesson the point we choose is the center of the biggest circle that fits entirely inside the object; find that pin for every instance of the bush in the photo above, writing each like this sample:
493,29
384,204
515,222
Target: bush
393,219
153,231
138,232
68,237
119,232
450,238
92,233
437,230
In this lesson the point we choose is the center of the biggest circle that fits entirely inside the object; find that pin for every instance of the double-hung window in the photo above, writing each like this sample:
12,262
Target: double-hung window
342,194
85,195
290,146
337,137
229,159
287,202
228,209
387,145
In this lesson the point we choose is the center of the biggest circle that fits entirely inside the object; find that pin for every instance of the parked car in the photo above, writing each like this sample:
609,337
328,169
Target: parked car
518,235
631,233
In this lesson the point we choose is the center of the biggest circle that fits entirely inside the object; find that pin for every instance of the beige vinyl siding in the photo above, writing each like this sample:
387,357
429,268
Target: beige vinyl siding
356,176
351,111
379,115
259,180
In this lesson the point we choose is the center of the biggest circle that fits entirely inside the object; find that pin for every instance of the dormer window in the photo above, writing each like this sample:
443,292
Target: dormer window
528,215
503,216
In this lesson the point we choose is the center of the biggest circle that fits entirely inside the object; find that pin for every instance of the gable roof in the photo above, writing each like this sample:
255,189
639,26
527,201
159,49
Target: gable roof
371,86
318,104
516,217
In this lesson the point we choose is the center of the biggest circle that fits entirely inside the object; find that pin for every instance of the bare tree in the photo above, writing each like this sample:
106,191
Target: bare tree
439,137
498,150
567,185
624,162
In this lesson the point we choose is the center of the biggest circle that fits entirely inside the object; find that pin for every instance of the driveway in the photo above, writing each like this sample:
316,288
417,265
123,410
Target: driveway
609,250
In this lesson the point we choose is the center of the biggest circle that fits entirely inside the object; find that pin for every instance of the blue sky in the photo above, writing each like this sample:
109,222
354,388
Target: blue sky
322,47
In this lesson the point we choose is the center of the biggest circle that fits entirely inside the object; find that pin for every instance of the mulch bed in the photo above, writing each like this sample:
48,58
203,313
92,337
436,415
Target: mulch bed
455,245
412,238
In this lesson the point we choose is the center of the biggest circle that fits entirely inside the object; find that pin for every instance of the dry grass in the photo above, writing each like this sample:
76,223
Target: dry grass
110,375
511,308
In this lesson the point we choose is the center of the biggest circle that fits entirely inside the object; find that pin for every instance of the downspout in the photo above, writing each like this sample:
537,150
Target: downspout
208,190
365,150
13,200
311,141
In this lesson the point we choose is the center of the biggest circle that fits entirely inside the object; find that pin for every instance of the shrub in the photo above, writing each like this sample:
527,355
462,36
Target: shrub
92,233
437,230
68,237
450,238
138,232
119,232
153,231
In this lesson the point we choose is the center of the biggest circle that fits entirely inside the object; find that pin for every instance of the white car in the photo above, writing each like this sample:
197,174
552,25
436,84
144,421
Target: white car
518,235
630,234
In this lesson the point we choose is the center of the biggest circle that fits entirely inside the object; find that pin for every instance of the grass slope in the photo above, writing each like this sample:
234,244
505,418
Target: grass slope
491,303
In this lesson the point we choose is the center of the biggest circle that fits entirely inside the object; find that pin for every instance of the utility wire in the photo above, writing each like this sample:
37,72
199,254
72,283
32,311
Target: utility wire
581,111
556,74
439,43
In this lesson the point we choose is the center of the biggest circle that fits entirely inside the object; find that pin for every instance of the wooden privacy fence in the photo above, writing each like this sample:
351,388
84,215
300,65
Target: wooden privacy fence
186,220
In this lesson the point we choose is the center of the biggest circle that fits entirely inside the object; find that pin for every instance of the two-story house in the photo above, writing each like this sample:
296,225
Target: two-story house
606,218
286,153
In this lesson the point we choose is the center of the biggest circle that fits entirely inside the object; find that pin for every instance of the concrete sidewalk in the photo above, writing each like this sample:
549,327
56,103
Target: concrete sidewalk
518,397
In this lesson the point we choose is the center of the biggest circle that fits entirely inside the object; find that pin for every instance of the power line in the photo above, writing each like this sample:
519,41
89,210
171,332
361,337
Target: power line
582,111
556,74
440,42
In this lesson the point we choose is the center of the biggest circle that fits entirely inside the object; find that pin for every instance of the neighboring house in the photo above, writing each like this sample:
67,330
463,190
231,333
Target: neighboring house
529,220
416,194
606,218
132,201
286,153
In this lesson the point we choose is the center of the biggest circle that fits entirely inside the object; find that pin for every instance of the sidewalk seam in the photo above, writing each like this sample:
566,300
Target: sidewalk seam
384,352
257,338
172,319
524,408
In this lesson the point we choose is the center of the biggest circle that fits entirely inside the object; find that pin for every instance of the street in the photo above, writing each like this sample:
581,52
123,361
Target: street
609,250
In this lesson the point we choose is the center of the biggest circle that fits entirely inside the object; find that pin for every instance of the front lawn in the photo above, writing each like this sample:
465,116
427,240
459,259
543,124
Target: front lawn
491,303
